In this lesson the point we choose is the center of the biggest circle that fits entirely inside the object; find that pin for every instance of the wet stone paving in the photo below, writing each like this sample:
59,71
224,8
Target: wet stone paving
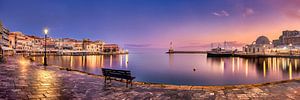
21,79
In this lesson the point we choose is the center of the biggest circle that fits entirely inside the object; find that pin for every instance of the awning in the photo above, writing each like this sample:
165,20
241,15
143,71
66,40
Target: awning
7,49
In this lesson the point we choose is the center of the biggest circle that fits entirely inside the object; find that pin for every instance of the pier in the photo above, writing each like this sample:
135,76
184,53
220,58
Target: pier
201,52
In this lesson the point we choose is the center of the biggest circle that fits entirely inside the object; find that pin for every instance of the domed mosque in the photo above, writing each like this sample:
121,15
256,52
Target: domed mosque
262,40
260,46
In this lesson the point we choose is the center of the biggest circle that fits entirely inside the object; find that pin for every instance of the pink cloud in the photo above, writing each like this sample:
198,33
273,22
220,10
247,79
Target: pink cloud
221,13
290,8
248,12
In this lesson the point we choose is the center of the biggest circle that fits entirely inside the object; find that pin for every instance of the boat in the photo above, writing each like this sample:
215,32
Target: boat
221,52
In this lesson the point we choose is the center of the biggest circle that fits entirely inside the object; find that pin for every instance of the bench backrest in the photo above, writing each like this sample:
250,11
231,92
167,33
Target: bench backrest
116,73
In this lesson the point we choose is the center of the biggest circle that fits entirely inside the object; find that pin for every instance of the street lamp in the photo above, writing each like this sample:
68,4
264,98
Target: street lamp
45,52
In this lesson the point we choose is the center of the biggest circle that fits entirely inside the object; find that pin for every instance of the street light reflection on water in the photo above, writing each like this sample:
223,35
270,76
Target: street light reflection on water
187,69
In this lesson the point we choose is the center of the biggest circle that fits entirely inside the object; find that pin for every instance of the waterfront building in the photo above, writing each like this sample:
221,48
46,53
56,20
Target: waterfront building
78,46
36,44
110,48
50,44
287,44
66,44
287,38
262,45
96,46
85,43
17,42
4,41
22,43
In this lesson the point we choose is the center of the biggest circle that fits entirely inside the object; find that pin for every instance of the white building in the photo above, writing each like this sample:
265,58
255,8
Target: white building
262,45
4,41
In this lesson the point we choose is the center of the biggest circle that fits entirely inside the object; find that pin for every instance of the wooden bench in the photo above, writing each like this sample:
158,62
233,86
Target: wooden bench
112,74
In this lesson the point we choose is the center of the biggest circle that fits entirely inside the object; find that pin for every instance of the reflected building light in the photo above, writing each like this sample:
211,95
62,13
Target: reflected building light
110,61
238,64
288,62
81,61
98,59
102,60
171,59
246,67
290,71
283,63
71,61
126,60
222,65
232,64
92,61
274,64
278,63
121,60
296,66
269,63
264,69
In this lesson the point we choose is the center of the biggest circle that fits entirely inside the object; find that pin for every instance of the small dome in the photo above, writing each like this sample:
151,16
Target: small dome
262,40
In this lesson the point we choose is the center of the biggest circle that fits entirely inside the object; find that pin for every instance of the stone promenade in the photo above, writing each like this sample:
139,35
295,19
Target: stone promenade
21,79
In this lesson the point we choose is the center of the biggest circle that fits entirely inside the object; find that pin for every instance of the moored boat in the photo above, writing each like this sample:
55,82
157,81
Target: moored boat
220,52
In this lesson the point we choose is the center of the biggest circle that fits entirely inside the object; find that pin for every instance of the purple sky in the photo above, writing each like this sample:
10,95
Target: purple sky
190,24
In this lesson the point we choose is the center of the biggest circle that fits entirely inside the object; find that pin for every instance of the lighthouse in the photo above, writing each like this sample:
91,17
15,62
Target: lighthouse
171,48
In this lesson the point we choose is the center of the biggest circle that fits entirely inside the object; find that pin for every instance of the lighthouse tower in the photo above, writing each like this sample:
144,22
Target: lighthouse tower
171,47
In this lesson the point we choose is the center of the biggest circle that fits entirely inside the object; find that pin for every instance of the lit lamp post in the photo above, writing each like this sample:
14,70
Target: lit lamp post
45,52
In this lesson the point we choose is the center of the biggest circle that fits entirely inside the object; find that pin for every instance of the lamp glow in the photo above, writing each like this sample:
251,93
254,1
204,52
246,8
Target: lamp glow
46,31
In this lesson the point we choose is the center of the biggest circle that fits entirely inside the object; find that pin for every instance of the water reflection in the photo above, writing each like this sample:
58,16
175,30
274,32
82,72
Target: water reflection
268,68
88,63
171,59
187,69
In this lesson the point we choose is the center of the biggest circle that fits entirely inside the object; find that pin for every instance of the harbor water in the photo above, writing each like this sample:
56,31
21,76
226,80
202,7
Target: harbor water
186,69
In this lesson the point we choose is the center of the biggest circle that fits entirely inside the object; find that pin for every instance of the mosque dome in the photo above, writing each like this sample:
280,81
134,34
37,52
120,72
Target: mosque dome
262,40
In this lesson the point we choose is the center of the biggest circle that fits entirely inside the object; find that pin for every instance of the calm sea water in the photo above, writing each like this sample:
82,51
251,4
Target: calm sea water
186,69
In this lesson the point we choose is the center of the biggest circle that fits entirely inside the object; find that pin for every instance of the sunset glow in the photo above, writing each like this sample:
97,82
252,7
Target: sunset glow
190,25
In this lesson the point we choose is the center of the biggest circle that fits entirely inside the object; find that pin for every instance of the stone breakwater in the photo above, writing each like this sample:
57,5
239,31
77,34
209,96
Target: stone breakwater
21,79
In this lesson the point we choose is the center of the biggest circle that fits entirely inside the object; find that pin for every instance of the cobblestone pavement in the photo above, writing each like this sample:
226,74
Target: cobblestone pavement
20,79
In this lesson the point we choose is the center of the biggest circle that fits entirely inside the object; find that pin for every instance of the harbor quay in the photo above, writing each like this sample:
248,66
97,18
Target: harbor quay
22,79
